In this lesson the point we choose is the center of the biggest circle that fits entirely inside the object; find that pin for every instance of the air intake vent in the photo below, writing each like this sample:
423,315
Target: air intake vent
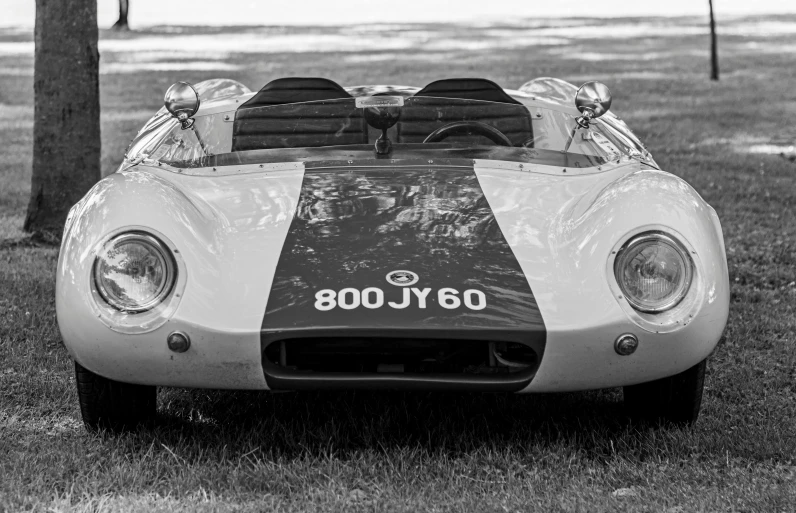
399,363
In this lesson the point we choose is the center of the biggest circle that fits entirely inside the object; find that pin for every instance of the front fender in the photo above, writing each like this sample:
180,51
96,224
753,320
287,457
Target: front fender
563,231
228,245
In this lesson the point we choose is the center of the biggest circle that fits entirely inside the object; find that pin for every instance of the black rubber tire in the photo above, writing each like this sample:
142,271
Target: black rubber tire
112,405
676,399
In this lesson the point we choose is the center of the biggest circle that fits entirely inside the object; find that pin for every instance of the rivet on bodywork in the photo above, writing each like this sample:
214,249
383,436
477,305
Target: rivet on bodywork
178,342
626,344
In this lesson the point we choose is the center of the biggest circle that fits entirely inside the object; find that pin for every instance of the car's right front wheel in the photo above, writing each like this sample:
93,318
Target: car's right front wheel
112,405
676,399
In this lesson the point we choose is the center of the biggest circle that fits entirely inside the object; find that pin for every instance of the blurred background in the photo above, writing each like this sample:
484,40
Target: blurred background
145,13
732,138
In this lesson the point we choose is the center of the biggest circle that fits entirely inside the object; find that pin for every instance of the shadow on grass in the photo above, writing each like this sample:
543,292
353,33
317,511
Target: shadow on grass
303,424
40,239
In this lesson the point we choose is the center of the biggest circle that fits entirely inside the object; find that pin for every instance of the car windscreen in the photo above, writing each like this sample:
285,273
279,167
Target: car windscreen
342,123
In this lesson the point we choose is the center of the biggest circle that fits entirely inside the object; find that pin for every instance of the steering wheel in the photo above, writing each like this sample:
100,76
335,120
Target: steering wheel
468,128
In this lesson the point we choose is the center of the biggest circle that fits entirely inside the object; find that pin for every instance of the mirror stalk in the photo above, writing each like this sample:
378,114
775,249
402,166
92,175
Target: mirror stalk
199,138
190,123
571,138
383,144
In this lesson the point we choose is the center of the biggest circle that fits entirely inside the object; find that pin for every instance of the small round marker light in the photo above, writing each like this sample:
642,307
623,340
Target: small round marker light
626,344
178,342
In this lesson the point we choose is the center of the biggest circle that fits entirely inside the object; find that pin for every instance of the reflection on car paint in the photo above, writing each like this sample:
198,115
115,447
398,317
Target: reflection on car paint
353,228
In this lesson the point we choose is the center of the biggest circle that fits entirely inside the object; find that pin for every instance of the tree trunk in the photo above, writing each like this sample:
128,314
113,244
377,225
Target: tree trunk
121,23
66,127
714,51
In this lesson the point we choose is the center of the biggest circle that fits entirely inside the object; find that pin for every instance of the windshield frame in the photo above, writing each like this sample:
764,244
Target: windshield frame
157,130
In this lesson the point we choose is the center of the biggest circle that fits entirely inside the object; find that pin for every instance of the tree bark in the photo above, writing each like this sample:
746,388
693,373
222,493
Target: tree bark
66,127
714,51
121,23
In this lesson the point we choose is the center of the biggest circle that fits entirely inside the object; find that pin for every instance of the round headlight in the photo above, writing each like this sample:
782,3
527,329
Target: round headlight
654,272
134,272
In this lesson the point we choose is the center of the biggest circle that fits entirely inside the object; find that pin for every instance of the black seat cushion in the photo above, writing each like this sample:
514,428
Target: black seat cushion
467,89
279,117
296,90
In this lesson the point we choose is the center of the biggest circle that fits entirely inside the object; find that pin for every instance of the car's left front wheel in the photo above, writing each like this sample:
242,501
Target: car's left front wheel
676,399
112,405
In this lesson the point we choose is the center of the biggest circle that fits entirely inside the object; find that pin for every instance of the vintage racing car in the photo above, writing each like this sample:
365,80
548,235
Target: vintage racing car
457,236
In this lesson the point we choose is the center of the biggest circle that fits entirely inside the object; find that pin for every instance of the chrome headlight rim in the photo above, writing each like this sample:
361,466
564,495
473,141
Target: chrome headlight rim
170,269
674,243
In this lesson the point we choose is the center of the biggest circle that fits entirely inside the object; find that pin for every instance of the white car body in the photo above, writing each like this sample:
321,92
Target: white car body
226,227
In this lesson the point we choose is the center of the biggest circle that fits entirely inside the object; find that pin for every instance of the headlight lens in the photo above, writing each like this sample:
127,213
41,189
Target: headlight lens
134,272
654,272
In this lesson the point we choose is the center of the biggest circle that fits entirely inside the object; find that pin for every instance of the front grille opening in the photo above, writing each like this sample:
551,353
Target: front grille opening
384,355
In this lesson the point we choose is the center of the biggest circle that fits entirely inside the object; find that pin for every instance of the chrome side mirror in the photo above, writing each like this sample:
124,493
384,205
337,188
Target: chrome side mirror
593,99
182,102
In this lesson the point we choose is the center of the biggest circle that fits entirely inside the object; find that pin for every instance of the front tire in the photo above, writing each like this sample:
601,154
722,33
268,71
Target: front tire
112,405
676,399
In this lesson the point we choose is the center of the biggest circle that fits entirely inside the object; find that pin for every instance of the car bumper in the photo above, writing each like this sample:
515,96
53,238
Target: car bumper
573,359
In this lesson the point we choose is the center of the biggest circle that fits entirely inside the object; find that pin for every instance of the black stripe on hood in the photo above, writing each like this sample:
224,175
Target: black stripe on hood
354,226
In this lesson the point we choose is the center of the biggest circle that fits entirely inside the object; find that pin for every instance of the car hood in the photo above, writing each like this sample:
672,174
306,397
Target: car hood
412,250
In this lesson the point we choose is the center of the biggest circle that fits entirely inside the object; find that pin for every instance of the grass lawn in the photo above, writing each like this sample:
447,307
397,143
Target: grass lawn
234,451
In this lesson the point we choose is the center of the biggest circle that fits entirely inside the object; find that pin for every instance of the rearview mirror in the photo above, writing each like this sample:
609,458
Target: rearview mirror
382,112
182,101
593,99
